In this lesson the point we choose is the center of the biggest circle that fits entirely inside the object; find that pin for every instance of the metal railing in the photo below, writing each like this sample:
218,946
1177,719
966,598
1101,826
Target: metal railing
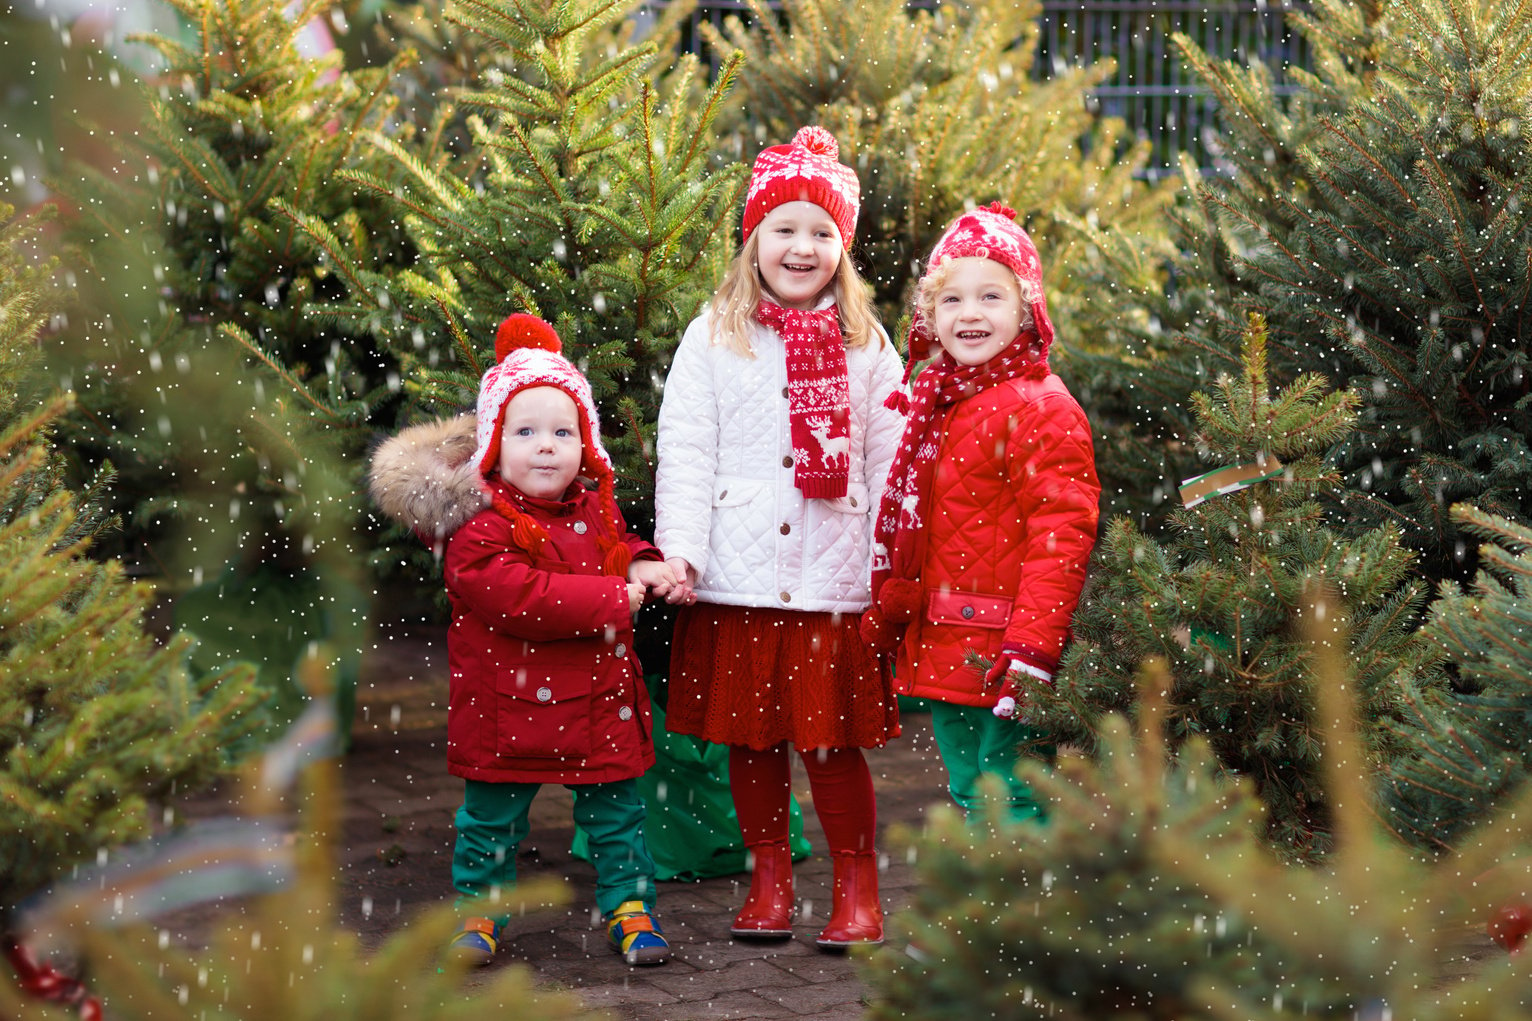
1151,89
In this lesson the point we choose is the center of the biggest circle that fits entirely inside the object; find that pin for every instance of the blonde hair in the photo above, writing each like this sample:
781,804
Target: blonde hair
732,314
935,279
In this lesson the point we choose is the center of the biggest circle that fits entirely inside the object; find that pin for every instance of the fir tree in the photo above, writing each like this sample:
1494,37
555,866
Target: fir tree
98,722
1378,219
938,111
195,291
1216,600
1149,894
239,129
286,955
1473,748
589,197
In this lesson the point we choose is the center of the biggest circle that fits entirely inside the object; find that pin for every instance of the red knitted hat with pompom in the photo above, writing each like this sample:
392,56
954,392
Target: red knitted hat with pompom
528,353
807,169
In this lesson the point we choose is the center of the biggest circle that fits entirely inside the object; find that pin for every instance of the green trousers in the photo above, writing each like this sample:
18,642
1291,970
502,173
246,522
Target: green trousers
492,823
974,742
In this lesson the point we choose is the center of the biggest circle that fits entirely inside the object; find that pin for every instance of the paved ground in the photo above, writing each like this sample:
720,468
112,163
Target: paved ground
398,844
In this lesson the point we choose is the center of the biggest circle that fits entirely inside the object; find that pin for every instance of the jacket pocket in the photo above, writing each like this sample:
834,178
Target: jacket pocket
969,609
733,491
540,719
854,502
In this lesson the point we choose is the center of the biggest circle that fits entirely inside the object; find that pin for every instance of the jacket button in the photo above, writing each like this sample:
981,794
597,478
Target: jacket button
968,613
625,713
545,694
621,650
785,528
723,494
787,462
786,597
852,499
784,391
579,528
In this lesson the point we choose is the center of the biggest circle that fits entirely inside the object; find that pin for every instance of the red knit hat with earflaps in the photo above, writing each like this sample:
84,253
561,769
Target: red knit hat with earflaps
528,353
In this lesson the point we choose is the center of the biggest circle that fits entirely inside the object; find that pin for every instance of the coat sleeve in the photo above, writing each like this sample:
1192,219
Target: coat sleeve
1051,465
502,587
885,426
688,451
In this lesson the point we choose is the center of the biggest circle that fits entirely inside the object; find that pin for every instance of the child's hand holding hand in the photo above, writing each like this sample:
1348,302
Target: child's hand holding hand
636,592
655,576
685,577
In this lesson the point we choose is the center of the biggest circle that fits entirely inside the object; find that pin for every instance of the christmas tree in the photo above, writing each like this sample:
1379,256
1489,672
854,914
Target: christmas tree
938,111
196,286
283,954
588,196
1471,748
1216,600
1150,893
1377,217
99,723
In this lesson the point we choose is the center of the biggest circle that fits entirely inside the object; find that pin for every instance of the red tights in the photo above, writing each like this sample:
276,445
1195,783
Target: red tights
842,784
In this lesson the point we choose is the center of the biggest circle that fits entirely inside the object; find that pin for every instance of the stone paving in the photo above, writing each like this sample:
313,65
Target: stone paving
398,844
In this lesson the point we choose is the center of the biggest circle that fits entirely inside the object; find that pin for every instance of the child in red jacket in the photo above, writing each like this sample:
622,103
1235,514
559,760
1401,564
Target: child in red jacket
990,512
544,578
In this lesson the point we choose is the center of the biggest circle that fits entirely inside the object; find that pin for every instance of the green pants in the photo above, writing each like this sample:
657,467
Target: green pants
974,742
492,823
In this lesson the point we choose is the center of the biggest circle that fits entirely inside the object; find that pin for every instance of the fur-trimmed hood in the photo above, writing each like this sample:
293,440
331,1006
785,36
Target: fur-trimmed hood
424,478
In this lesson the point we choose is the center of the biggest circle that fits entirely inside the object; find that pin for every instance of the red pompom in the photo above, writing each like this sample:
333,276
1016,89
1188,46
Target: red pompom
899,599
1002,209
521,330
818,141
1510,925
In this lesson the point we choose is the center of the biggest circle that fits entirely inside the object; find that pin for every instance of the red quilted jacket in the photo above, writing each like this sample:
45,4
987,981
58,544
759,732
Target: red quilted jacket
545,687
1011,521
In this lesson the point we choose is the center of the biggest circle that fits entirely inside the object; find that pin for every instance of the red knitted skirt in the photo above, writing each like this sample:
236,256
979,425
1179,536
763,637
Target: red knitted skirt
756,677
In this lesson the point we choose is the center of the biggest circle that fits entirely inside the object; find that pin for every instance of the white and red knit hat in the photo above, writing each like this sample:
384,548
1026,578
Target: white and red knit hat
528,354
988,233
807,168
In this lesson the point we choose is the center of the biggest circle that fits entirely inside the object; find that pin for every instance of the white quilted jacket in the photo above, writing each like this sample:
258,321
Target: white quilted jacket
724,497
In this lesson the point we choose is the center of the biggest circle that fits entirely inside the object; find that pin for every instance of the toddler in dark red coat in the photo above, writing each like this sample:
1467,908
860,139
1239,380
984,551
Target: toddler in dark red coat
991,507
544,578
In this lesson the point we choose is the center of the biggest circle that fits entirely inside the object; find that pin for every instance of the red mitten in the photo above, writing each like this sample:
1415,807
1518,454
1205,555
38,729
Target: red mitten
995,675
877,632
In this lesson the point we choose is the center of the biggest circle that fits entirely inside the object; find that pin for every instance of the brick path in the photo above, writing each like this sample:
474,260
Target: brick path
399,804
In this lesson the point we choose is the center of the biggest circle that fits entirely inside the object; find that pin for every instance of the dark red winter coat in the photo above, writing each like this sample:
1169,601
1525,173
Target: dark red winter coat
545,686
1011,521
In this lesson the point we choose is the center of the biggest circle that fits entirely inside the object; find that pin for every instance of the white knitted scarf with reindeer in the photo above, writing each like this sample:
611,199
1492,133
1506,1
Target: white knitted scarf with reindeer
818,396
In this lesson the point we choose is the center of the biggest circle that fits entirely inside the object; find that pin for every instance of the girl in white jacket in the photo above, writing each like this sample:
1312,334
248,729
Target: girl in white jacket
775,437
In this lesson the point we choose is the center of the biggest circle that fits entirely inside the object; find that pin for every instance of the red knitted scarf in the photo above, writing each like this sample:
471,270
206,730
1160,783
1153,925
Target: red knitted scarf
901,527
818,396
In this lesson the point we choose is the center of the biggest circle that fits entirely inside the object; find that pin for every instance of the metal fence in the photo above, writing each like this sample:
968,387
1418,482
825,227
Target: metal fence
1152,90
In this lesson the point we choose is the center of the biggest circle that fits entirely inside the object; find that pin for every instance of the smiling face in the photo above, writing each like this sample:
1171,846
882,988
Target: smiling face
798,251
540,445
978,310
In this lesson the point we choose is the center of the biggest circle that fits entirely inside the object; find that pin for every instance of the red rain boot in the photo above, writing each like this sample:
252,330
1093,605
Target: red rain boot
768,909
856,916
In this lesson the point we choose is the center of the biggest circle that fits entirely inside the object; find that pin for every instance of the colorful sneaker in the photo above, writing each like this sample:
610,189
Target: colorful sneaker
476,941
635,934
